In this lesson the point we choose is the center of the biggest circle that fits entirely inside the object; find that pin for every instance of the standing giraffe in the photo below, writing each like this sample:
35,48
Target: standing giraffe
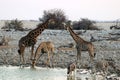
31,38
81,44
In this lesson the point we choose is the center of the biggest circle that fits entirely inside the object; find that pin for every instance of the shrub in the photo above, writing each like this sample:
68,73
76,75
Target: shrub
13,24
84,24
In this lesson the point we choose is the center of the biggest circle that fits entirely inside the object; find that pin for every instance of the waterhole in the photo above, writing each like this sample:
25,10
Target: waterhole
39,73
27,73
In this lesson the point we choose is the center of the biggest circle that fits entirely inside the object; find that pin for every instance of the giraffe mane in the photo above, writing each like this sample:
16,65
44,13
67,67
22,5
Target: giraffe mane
39,25
72,30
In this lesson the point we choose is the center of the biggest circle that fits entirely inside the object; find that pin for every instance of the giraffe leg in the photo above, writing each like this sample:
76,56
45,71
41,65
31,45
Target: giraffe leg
33,63
20,61
49,59
91,58
36,56
21,54
52,60
39,57
78,57
91,54
23,62
32,52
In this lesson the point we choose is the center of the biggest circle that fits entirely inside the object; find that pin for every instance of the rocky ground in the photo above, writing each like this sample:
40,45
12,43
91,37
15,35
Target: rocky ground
106,42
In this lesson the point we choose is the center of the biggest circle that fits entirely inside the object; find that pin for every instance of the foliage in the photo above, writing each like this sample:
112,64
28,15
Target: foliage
84,24
13,24
58,15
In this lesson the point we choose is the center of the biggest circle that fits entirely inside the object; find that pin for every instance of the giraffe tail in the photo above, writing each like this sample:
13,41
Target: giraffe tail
19,52
68,69
94,54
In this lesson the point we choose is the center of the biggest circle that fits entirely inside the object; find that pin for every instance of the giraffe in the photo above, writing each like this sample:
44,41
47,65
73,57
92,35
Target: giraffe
44,47
71,71
81,44
102,65
71,67
31,38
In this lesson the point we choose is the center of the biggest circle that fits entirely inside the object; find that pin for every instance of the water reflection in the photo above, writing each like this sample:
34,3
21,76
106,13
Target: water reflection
70,77
16,73
27,73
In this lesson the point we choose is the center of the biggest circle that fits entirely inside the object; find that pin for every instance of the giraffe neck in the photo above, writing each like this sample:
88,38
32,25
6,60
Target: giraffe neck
37,31
43,26
74,35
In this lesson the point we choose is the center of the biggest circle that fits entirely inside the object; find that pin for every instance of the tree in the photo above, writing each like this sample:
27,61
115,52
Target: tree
84,24
58,15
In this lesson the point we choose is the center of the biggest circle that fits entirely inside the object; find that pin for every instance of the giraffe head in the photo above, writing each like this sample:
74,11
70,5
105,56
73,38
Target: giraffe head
71,67
66,26
51,21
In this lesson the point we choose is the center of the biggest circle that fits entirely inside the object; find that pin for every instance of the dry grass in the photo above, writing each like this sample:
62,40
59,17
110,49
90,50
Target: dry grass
8,46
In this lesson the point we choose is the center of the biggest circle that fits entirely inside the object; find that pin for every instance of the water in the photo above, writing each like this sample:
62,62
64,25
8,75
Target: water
16,73
27,73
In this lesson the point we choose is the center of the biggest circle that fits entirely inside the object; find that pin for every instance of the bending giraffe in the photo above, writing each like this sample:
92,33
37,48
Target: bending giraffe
31,38
44,47
81,44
